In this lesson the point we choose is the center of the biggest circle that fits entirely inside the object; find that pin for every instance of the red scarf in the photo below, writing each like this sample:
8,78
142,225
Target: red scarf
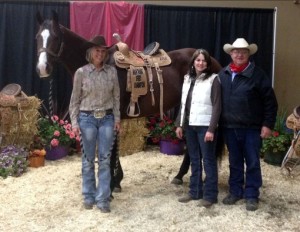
238,69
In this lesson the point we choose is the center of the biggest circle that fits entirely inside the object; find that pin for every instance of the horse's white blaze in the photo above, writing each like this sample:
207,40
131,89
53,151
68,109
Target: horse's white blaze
42,63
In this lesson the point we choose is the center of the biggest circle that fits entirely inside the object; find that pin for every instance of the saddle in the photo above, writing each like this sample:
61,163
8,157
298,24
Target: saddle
136,62
12,95
125,57
293,122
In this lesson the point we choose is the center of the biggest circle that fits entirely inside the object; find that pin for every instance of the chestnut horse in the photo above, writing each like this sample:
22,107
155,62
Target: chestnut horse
56,43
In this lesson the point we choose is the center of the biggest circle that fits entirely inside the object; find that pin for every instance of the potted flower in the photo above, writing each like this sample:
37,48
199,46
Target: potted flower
13,161
275,147
37,153
57,135
162,131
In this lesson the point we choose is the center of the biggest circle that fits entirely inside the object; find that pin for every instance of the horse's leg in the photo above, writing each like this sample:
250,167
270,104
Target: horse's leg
183,170
115,167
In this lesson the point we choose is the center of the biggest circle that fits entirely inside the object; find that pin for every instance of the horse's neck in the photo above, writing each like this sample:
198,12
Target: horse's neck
74,50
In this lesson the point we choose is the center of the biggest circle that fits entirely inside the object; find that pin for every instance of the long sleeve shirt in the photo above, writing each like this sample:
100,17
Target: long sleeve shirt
95,89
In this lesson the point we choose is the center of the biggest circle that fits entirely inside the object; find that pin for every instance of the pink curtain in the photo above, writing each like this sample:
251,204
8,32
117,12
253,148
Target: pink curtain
89,19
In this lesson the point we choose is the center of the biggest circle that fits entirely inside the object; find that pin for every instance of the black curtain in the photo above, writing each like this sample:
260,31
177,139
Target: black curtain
210,28
18,55
173,27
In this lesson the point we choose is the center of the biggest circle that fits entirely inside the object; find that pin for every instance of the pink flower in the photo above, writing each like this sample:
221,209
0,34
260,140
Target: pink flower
56,133
54,118
54,142
68,126
61,122
72,135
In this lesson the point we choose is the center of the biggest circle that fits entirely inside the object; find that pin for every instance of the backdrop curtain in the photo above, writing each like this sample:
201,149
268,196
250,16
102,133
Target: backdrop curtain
18,55
210,28
173,27
105,18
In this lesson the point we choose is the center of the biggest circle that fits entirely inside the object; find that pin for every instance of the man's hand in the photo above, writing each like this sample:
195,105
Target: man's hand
265,132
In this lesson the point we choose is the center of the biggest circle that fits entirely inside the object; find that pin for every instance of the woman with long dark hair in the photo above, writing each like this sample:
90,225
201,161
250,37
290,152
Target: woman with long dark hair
198,117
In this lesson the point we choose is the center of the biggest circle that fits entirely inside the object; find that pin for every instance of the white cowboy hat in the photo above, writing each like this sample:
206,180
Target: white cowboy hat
240,43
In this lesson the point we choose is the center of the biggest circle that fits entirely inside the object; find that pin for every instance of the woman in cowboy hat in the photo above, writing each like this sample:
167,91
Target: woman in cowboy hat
249,108
95,112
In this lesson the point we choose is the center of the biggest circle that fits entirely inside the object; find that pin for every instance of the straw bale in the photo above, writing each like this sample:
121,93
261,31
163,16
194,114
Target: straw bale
18,119
132,136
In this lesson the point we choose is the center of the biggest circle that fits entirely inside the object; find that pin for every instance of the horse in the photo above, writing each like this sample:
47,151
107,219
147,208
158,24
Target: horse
56,43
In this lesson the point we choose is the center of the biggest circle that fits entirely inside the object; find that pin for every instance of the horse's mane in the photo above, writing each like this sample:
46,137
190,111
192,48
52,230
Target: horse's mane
66,30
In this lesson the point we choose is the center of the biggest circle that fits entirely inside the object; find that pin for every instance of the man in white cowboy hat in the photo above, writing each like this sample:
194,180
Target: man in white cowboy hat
249,108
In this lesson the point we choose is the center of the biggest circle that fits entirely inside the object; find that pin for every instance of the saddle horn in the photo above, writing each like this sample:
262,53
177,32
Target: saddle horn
117,37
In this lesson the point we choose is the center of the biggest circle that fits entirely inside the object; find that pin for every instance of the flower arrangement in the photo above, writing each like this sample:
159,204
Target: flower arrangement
281,138
55,131
162,129
13,161
37,147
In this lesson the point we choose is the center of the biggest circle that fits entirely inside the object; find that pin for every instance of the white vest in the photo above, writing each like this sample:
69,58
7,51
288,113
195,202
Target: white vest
201,106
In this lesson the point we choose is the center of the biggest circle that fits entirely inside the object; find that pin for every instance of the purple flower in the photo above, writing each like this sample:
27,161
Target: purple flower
13,161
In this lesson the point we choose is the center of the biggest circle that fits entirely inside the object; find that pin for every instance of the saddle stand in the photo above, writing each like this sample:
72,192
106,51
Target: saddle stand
291,161
135,62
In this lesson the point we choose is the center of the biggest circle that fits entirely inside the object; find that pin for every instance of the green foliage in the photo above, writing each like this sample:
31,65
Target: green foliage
280,140
54,131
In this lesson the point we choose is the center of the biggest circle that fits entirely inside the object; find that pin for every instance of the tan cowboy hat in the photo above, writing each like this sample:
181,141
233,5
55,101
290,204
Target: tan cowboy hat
98,41
240,43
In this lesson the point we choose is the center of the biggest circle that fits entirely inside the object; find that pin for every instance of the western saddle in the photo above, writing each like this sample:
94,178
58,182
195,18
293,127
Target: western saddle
135,63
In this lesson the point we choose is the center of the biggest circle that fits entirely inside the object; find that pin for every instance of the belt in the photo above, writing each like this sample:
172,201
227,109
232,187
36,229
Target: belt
106,112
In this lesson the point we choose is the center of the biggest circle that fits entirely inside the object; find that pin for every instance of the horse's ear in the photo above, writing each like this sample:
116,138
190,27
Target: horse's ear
54,16
39,18
55,24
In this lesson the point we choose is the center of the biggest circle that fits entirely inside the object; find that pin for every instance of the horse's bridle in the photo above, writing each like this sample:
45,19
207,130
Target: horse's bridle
61,48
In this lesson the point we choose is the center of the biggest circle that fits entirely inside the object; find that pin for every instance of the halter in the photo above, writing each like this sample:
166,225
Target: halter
61,48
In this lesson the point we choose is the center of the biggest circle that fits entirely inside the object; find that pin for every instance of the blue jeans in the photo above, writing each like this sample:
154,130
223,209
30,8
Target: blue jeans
198,151
96,132
244,146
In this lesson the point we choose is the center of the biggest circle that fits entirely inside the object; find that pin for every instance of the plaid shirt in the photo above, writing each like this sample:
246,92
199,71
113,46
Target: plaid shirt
94,89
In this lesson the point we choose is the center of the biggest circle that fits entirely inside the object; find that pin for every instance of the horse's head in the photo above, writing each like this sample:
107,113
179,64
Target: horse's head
49,44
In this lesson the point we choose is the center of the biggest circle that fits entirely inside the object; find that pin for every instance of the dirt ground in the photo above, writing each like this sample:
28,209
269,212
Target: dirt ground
49,199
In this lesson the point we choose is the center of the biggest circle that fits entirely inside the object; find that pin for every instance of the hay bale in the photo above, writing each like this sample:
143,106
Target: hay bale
18,117
132,136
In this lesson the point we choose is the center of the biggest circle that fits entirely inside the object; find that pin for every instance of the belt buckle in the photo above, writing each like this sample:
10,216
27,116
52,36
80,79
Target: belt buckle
99,113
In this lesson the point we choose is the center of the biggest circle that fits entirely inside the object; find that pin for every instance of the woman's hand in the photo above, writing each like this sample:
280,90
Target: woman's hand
76,131
209,137
179,132
117,126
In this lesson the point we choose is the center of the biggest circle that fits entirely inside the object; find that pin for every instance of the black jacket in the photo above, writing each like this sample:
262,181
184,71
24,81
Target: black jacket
249,100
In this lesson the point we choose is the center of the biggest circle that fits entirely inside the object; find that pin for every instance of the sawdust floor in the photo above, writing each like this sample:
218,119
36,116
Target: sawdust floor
49,199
